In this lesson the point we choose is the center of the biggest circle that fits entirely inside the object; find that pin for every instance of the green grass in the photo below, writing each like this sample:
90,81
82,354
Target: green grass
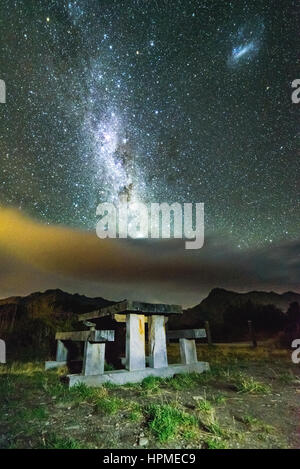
110,386
183,381
23,416
21,368
110,405
214,443
208,419
256,424
56,442
40,413
135,416
214,427
203,405
219,399
190,434
108,367
76,394
189,381
245,384
7,386
81,392
178,382
135,412
286,378
167,421
96,396
152,384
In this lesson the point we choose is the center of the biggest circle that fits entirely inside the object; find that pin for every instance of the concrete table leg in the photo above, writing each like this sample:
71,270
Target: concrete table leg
135,342
157,339
188,351
61,352
93,359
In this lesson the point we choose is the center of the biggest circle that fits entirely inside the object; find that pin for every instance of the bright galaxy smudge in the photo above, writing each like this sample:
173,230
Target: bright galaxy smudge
248,40
239,52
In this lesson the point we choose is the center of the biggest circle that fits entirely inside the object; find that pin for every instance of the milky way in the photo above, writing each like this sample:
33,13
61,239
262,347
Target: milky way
181,101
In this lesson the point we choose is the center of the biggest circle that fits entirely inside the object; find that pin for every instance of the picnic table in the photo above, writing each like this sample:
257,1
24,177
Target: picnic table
135,314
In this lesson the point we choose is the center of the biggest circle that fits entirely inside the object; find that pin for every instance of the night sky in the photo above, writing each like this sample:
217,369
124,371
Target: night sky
188,101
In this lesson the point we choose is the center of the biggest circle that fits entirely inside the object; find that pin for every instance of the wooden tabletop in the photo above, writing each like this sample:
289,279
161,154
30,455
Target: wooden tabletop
132,307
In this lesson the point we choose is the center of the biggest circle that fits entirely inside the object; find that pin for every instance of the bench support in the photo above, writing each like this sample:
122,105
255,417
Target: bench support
61,351
61,356
93,359
188,351
135,342
157,341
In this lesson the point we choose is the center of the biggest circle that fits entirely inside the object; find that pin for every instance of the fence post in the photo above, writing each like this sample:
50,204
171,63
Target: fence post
208,333
2,351
252,334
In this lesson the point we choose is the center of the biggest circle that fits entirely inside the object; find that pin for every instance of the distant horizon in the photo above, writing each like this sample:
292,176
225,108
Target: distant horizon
185,306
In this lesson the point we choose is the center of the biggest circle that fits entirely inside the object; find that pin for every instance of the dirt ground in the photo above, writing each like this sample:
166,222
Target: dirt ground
250,399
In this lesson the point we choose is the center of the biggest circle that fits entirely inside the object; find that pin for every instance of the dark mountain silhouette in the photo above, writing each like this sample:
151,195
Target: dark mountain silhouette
219,300
29,323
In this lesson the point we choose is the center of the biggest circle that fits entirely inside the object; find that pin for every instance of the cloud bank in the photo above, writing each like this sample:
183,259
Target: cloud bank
35,257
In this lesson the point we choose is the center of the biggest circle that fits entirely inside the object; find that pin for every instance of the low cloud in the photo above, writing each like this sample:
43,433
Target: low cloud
34,257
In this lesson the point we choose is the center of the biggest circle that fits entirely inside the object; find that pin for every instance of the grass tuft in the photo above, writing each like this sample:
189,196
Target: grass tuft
152,384
286,377
167,421
245,384
56,442
110,405
203,405
215,443
258,425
